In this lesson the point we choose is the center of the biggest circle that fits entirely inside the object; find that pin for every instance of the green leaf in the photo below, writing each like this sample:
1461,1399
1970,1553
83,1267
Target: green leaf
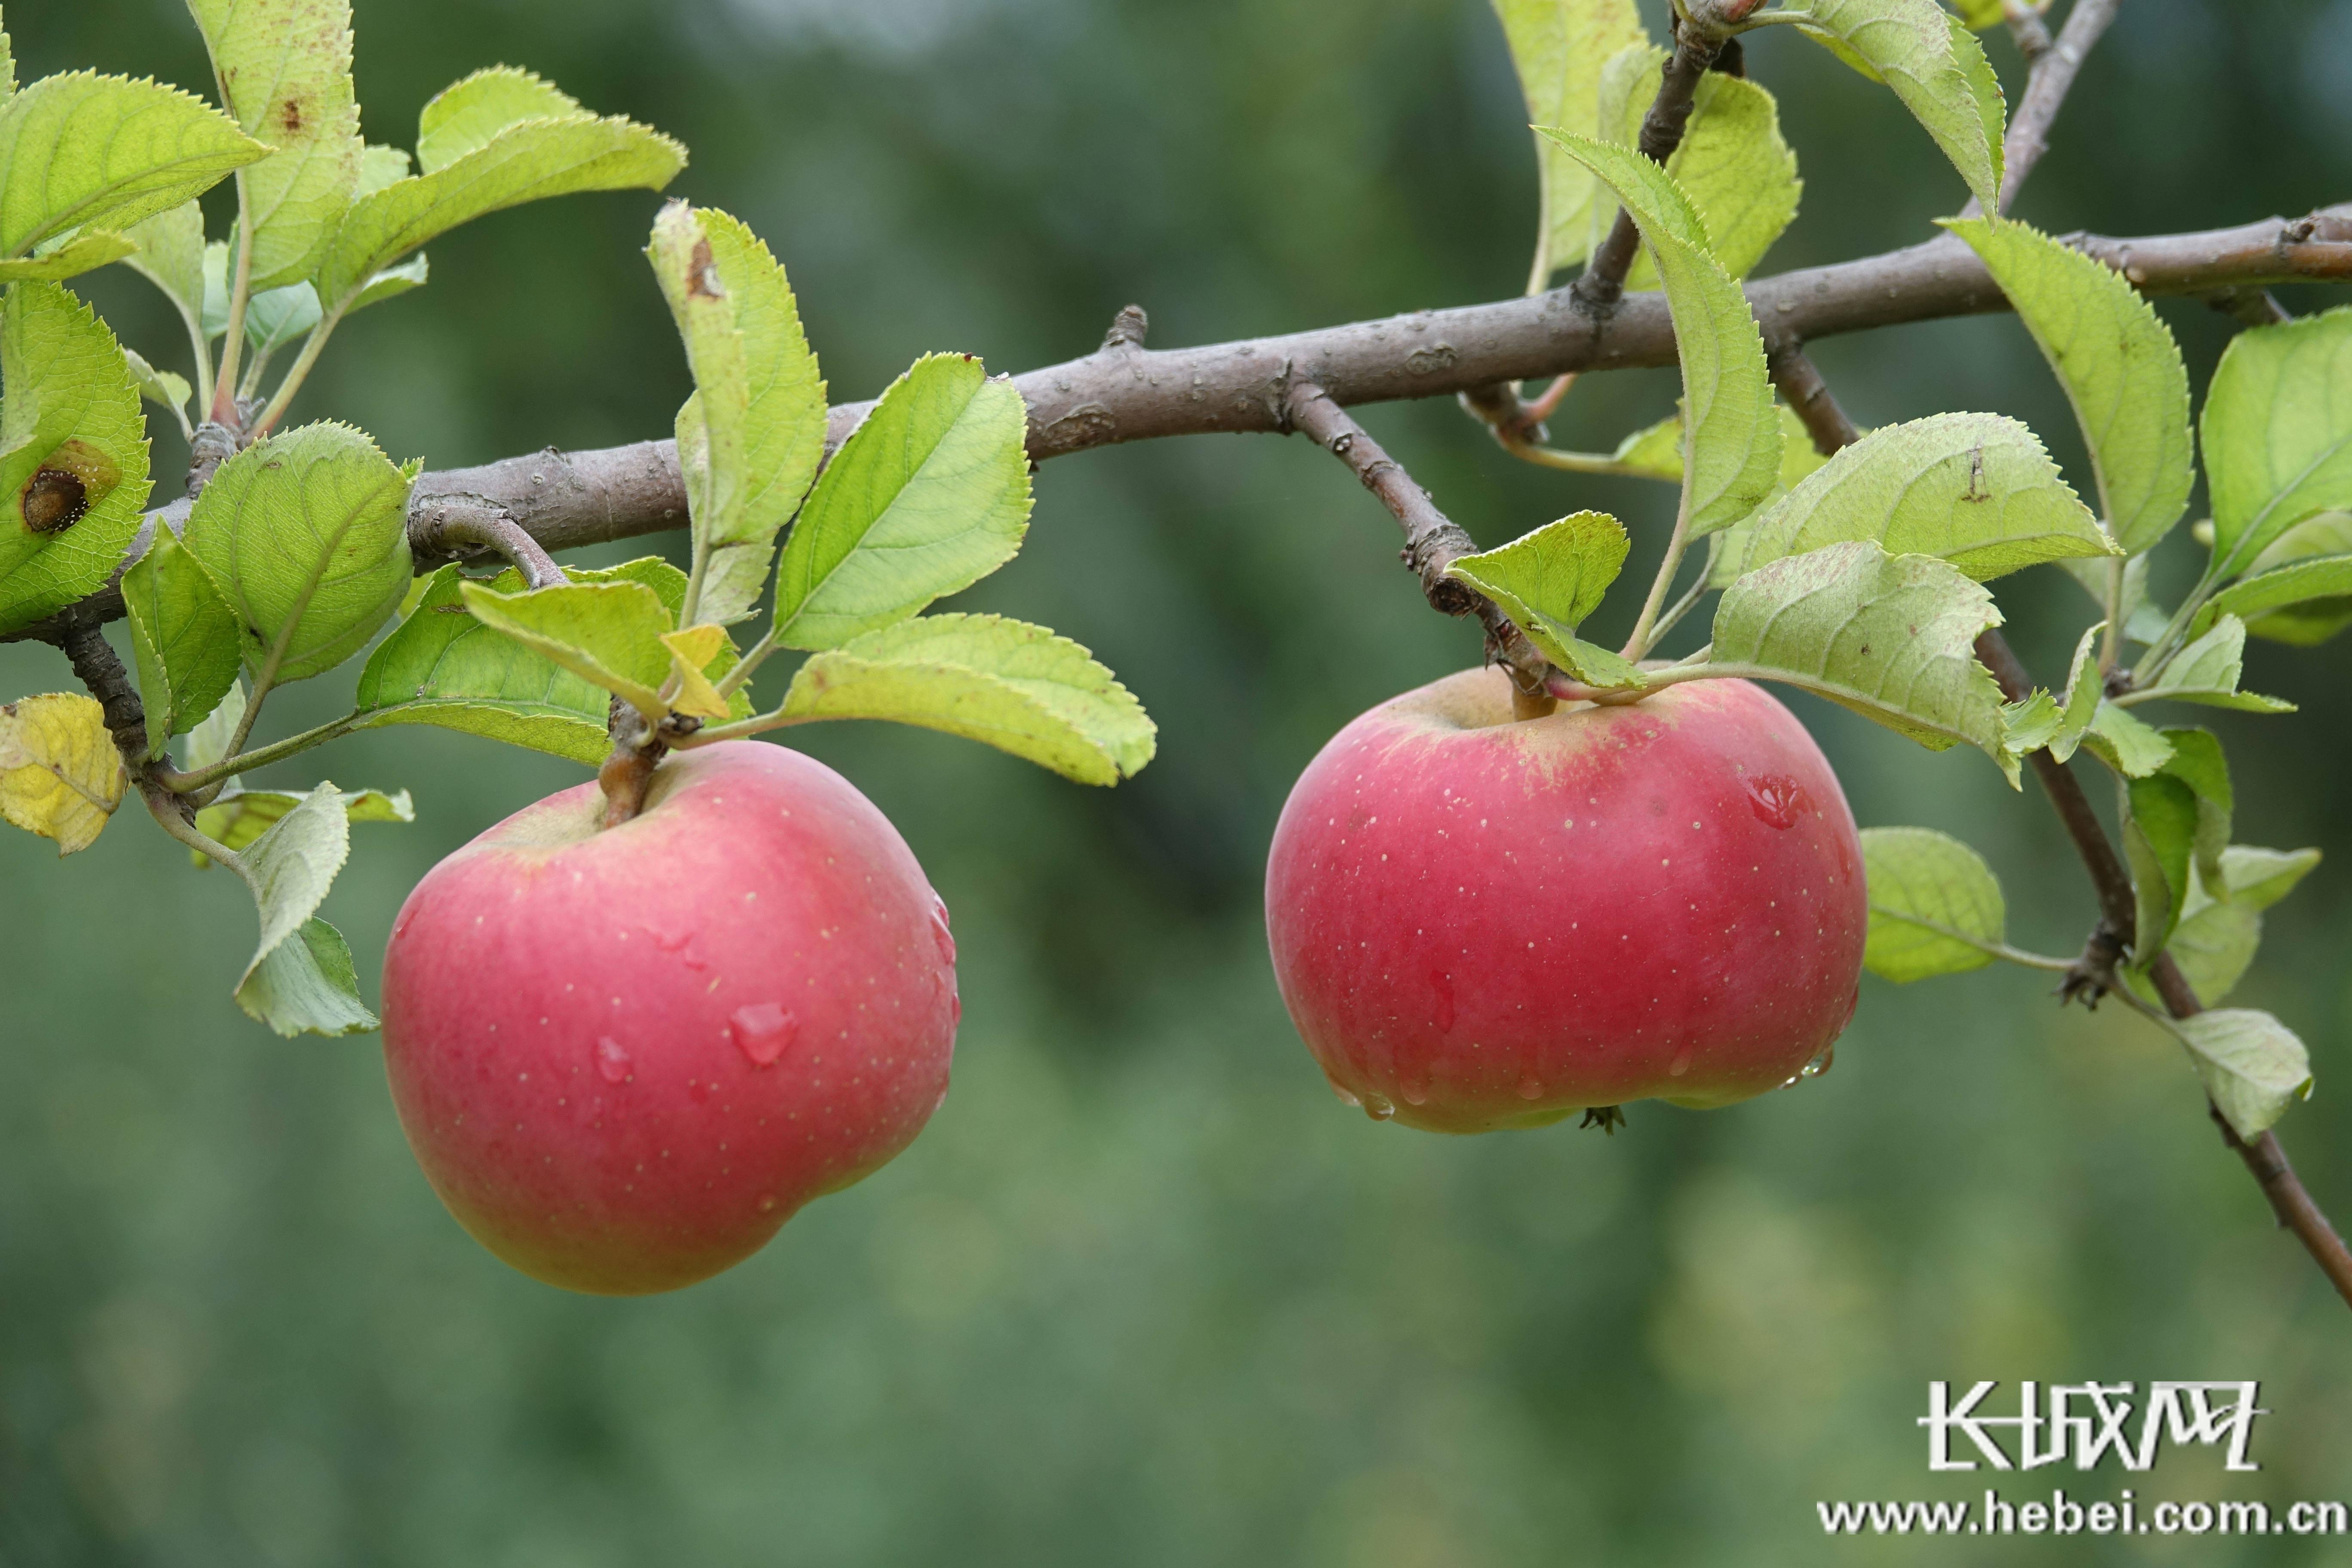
2159,831
380,166
284,69
1936,67
2118,363
1890,636
1556,574
1733,445
306,535
2125,744
239,817
209,741
2278,432
751,437
2086,690
73,453
392,282
171,255
2198,762
926,496
308,984
1562,47
2213,948
2299,591
184,636
608,634
1016,687
2258,877
1976,490
524,160
444,668
276,317
90,152
1978,14
2253,1067
88,250
2206,672
290,869
1924,887
1732,164
469,115
1655,451
162,388
2031,722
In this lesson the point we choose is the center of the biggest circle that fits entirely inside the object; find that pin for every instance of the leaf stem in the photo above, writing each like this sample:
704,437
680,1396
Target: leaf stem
1999,950
228,767
732,681
165,808
1645,628
295,374
224,411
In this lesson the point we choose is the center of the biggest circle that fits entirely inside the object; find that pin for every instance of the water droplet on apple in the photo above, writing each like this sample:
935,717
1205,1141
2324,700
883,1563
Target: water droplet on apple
1681,1064
1378,1108
1820,1064
1777,799
762,1031
1531,1088
1346,1097
612,1061
939,934
1415,1089
1442,984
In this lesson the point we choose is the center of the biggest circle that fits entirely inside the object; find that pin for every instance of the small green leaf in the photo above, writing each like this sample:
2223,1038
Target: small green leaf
307,985
2299,591
2259,878
469,115
525,160
380,166
85,250
276,317
209,741
1732,162
1935,67
2086,690
751,437
2206,672
1016,687
926,496
1562,47
2118,363
1556,574
2159,831
442,666
2278,432
392,282
2125,744
1589,663
2253,1065
1655,451
306,535
1976,490
1733,436
2030,724
1924,887
184,636
608,634
2198,762
171,255
73,453
283,69
164,388
239,817
1891,637
2212,947
290,869
90,152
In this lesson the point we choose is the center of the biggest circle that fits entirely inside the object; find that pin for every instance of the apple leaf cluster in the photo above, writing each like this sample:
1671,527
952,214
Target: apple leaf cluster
294,557
1863,578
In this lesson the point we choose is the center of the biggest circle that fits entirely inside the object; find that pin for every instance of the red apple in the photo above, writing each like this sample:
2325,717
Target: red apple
1478,924
625,1055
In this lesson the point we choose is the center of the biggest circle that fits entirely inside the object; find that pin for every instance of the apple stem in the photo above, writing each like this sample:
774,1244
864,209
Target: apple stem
628,772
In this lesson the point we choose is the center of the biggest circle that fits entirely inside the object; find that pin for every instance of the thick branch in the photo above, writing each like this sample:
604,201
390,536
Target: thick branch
1432,541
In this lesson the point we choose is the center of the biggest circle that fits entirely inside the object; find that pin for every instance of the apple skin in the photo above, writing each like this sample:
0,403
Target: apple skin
1480,924
625,1057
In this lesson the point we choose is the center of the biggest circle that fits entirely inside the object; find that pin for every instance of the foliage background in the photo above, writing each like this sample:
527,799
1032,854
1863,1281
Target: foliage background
1144,1293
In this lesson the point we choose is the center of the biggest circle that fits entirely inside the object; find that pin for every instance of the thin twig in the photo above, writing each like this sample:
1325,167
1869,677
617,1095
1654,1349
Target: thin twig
1602,283
1432,541
2046,89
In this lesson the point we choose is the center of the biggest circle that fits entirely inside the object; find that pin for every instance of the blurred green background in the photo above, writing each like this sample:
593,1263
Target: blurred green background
1145,1293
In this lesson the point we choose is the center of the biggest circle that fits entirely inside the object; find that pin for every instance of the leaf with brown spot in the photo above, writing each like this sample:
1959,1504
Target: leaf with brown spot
284,68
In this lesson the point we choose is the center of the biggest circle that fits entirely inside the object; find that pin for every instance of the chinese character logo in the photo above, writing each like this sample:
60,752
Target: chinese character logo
2090,1420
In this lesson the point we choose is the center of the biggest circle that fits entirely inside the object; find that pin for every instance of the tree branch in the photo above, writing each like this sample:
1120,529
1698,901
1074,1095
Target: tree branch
2054,71
1602,283
1432,541
463,527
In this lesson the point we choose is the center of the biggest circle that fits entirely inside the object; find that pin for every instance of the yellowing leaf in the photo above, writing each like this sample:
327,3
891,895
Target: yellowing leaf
60,775
690,652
